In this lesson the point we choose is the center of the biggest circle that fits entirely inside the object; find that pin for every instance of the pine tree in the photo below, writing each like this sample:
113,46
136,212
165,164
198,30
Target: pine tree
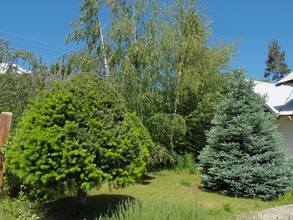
244,155
276,67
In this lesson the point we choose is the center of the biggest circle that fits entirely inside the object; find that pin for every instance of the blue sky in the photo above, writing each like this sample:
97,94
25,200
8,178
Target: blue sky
41,26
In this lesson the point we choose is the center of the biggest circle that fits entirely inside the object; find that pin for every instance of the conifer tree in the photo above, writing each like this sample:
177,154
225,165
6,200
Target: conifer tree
244,155
276,67
75,136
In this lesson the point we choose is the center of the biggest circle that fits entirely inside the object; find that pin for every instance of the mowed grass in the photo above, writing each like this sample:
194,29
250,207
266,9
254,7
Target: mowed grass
164,195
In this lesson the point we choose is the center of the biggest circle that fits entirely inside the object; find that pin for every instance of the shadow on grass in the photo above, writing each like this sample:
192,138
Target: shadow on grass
96,206
146,179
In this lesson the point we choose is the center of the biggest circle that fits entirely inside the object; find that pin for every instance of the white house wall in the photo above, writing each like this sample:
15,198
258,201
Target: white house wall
286,129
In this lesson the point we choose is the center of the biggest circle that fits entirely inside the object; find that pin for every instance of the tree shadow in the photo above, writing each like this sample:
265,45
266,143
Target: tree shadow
146,179
96,206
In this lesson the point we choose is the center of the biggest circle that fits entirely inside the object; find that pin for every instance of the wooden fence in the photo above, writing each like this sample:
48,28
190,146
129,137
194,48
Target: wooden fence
5,124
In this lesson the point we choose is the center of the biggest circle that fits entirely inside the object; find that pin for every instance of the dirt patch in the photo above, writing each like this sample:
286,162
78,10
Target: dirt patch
278,213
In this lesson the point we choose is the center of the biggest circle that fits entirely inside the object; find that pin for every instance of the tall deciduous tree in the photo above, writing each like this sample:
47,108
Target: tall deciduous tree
161,60
89,28
276,67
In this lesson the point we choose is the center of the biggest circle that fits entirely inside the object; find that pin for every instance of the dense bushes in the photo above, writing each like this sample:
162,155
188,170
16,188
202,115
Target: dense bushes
168,131
244,155
75,136
15,92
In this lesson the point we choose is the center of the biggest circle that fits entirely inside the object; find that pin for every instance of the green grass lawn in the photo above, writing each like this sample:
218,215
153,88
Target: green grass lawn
169,187
164,195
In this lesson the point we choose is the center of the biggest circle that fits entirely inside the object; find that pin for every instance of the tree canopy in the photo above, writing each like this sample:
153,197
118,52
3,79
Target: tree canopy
160,58
276,66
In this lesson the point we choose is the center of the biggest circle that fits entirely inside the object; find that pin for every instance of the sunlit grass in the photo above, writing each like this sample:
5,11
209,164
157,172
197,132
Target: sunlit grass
183,188
168,194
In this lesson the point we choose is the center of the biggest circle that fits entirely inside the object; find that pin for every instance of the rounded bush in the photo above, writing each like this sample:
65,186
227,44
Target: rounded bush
75,136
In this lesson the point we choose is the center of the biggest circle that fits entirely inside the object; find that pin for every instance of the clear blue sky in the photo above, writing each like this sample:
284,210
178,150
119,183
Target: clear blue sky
41,26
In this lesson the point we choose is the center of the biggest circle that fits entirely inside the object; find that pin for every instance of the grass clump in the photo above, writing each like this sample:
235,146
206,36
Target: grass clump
19,209
186,182
169,209
185,163
285,199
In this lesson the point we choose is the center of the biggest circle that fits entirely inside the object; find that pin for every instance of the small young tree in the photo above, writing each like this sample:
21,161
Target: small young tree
244,154
75,136
276,67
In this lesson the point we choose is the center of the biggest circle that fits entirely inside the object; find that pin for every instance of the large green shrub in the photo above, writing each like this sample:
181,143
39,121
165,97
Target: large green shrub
75,136
244,155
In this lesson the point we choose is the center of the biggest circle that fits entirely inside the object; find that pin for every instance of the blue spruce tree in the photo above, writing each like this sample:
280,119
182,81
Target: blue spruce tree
244,155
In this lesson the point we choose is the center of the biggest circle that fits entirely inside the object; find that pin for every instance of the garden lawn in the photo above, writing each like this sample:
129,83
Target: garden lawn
163,195
171,194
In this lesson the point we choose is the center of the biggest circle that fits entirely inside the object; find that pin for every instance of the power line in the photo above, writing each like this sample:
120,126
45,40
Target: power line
42,49
19,45
44,44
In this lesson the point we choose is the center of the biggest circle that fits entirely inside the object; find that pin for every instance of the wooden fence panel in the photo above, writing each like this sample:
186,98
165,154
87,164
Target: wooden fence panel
5,125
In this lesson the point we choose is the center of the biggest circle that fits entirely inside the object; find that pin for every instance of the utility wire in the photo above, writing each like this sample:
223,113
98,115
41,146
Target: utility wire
31,40
37,46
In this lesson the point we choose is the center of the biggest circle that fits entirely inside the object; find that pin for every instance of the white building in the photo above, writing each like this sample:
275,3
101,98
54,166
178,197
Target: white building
15,68
279,100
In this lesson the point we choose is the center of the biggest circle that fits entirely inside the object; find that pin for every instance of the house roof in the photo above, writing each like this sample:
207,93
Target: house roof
287,80
279,99
19,70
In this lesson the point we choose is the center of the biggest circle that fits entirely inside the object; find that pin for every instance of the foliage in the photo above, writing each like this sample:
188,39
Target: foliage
160,58
15,58
244,155
73,63
161,157
167,130
75,136
16,91
276,67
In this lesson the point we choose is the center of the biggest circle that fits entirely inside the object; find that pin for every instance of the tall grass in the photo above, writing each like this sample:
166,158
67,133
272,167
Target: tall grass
185,163
19,209
166,210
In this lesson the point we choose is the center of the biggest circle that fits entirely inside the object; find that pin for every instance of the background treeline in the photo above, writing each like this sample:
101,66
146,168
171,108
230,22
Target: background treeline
157,56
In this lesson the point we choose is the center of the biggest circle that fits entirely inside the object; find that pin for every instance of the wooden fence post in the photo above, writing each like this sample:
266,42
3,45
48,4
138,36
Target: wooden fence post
5,124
